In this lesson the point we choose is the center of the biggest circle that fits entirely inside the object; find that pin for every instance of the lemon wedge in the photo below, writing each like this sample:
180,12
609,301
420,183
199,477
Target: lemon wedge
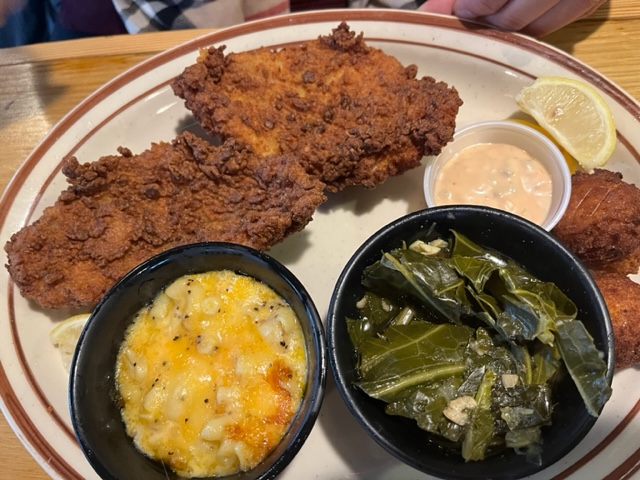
575,114
571,162
64,336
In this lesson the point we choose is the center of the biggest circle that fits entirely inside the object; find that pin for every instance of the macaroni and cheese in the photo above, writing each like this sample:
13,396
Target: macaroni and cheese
211,374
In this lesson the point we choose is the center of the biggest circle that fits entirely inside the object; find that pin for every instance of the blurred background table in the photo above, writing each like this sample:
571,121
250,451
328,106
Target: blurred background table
67,72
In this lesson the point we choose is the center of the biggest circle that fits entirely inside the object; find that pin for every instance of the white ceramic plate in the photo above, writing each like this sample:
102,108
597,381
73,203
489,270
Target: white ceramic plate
487,67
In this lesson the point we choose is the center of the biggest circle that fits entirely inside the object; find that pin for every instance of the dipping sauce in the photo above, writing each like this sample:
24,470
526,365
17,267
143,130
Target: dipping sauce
496,175
211,374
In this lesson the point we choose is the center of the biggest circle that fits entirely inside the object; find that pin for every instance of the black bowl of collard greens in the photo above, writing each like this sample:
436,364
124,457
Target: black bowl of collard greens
469,343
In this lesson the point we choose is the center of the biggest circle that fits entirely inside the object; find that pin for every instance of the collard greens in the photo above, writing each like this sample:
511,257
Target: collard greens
467,344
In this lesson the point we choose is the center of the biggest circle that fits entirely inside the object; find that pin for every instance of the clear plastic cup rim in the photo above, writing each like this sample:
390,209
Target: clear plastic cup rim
519,135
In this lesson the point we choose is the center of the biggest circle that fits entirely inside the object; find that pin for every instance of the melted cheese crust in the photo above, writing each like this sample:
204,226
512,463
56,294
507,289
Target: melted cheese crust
211,374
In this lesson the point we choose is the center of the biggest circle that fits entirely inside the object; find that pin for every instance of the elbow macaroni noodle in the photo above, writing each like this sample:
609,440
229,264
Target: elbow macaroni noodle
211,374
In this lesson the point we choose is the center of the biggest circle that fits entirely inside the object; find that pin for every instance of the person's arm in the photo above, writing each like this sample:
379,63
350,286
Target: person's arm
7,7
533,17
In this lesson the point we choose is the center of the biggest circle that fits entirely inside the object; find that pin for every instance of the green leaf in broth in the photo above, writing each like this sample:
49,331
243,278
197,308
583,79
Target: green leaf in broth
484,343
489,311
378,310
477,270
565,309
524,362
532,306
534,397
411,346
358,330
545,362
518,418
525,438
425,403
464,247
584,363
411,354
485,353
375,314
487,304
524,410
429,279
519,320
479,435
389,388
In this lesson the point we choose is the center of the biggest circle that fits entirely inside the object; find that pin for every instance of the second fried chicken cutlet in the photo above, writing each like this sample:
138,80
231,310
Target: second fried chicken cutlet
352,114
123,209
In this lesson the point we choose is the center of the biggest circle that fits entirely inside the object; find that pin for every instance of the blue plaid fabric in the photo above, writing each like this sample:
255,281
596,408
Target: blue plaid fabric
152,15
141,16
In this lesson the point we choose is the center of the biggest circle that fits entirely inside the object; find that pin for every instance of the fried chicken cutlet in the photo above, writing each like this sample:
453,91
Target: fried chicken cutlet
123,209
622,296
351,114
602,222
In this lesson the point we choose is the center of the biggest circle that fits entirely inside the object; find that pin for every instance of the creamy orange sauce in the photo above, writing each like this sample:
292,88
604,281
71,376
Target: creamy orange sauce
496,175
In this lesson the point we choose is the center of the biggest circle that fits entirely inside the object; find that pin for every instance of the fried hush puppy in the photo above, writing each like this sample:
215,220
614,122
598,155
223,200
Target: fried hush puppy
622,296
602,227
602,222
122,209
350,113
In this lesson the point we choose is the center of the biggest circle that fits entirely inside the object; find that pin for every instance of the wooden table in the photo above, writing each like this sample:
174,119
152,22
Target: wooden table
609,41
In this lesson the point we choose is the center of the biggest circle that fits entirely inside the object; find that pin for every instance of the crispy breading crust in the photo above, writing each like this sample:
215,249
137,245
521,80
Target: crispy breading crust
602,227
123,209
351,114
296,122
622,296
602,222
